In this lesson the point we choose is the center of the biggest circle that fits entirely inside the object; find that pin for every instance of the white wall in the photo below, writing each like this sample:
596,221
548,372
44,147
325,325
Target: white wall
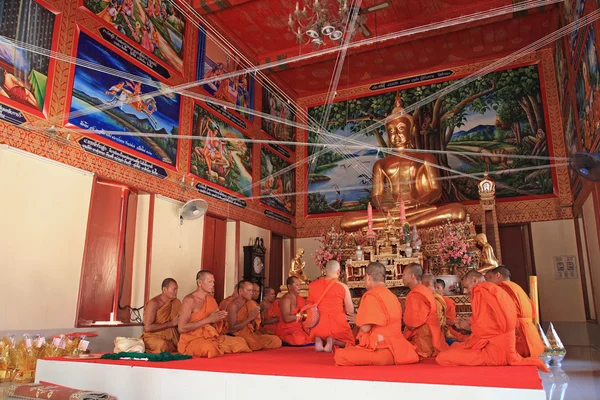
176,249
43,221
309,245
560,299
140,251
231,263
593,248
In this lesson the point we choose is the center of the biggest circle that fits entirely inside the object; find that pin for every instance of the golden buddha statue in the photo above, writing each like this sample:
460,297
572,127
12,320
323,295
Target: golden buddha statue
488,260
408,176
297,268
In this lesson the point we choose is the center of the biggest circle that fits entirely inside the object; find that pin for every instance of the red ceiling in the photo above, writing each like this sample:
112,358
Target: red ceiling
258,28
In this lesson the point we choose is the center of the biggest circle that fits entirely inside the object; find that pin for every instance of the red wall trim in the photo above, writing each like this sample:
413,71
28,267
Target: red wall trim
149,248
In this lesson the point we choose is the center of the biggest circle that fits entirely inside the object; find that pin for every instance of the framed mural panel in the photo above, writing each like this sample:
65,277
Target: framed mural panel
214,61
587,91
281,188
218,158
560,67
277,106
487,117
576,12
571,138
110,104
25,76
153,26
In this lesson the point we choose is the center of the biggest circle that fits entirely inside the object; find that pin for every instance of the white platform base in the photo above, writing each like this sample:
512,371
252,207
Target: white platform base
136,383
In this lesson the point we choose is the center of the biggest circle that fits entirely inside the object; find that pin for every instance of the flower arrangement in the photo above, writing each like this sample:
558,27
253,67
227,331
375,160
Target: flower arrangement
454,251
330,249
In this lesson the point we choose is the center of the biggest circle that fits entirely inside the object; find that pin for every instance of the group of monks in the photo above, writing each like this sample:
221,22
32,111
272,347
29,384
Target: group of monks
500,331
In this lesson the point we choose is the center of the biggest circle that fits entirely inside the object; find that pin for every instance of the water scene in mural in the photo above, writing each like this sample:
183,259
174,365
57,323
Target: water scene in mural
127,111
24,74
486,117
587,91
276,106
156,26
220,158
279,187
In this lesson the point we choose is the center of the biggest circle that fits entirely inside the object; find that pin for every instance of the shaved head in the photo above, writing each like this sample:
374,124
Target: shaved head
167,282
376,271
332,267
412,275
428,281
497,275
502,270
203,274
471,279
241,284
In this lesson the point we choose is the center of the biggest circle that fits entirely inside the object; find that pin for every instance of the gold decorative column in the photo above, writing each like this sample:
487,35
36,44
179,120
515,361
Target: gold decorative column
487,200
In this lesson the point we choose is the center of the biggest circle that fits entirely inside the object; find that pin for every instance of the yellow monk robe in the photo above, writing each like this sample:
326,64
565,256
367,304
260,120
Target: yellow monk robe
255,340
332,314
493,325
421,314
164,340
292,332
451,332
529,343
380,308
206,340
272,312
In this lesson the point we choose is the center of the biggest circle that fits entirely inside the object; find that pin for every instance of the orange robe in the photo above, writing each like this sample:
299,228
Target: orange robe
223,305
493,325
206,340
421,315
380,308
166,339
529,343
272,312
451,332
255,340
332,314
292,332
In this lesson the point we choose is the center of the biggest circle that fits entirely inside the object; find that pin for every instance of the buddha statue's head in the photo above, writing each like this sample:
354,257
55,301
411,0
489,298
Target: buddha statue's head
399,129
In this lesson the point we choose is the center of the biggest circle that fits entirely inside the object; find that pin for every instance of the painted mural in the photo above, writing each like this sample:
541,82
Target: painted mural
487,116
576,13
571,140
279,188
275,105
24,75
214,61
119,107
587,91
220,157
560,67
155,25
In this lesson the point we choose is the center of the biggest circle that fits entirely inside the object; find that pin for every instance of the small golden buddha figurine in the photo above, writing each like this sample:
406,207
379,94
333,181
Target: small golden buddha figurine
488,260
408,176
297,268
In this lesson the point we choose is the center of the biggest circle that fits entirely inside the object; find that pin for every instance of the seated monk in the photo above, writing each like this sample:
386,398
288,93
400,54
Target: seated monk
427,281
244,320
269,311
336,304
288,328
452,332
200,322
160,320
423,329
529,343
493,326
223,305
255,291
380,340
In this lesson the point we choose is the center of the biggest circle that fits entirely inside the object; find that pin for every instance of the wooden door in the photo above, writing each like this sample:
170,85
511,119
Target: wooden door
275,278
213,252
515,242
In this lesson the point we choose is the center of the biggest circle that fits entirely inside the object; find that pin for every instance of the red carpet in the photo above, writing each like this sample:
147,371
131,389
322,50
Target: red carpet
304,362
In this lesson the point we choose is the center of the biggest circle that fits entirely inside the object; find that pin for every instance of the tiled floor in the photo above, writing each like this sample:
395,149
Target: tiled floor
578,378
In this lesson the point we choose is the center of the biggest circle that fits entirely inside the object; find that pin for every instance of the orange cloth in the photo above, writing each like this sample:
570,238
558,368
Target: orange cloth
272,312
292,332
529,343
380,308
421,315
450,310
206,341
166,339
332,314
493,325
255,340
223,305
440,304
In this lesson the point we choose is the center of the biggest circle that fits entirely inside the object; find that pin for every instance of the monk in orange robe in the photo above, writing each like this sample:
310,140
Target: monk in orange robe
225,302
243,317
451,331
334,309
493,326
440,304
200,323
288,328
161,320
269,312
423,329
255,292
380,340
529,343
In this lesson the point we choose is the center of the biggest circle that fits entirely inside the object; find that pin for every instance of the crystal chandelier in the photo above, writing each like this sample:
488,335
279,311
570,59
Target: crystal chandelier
319,20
